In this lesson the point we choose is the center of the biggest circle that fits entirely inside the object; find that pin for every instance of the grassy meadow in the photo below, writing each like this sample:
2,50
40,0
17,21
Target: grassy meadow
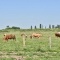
35,49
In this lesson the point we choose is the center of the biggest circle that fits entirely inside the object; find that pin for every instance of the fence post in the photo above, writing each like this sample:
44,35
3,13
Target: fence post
50,42
23,41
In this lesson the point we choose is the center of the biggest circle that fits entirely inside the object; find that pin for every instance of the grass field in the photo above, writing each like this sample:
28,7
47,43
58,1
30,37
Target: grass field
35,49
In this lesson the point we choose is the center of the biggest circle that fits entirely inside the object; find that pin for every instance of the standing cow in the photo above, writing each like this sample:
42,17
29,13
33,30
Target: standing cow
57,34
35,35
9,36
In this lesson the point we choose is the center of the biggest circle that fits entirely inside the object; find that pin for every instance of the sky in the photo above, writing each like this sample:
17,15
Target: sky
24,13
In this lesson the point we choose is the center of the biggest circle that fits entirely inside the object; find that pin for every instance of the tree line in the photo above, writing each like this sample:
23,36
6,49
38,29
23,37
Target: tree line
49,27
13,27
35,27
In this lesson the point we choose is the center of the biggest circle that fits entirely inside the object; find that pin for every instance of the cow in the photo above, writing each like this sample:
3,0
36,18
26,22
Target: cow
57,34
36,35
9,36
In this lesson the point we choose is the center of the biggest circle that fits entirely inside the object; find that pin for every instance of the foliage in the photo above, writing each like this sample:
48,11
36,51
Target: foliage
13,27
58,26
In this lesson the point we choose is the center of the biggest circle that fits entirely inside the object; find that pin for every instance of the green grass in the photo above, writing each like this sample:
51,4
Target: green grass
36,48
7,59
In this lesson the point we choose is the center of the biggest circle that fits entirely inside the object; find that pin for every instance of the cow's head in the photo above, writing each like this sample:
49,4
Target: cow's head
4,34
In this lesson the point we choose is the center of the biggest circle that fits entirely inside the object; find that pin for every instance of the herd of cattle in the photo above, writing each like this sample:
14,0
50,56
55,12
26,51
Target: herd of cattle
33,35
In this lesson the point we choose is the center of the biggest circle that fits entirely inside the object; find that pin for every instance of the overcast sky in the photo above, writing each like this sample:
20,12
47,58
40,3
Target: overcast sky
24,13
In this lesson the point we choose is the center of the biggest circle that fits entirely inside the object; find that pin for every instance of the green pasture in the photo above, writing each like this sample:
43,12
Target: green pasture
36,48
7,59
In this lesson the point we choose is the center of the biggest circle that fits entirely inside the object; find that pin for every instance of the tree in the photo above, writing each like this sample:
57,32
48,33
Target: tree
13,27
58,26
31,27
49,26
35,27
7,26
53,26
40,26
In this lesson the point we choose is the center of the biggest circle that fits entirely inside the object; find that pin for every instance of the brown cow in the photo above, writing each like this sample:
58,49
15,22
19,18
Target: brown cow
57,34
35,35
9,36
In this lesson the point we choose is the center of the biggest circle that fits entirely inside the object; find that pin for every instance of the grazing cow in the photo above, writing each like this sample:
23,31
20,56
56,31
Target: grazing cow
57,34
9,36
35,35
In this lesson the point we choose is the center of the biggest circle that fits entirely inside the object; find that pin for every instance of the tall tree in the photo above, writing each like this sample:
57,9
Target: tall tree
35,27
49,26
31,27
53,26
40,26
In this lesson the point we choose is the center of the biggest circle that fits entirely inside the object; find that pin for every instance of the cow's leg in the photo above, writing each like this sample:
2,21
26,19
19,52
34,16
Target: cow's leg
14,39
6,39
38,36
31,37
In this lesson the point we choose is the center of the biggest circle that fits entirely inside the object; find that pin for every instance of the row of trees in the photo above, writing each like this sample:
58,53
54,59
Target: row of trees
35,27
13,27
50,26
